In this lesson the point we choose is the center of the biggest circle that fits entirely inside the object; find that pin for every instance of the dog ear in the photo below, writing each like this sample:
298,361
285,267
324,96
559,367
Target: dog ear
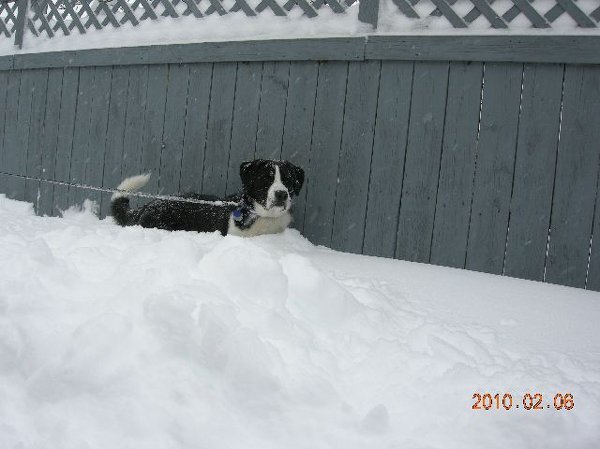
246,172
297,178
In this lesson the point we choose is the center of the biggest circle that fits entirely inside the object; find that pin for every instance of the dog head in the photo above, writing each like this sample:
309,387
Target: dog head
270,185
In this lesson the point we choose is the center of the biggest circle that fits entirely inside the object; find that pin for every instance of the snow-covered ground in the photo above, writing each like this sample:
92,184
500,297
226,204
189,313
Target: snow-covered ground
139,338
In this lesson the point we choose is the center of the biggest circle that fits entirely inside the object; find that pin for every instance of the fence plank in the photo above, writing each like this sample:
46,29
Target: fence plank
137,94
355,156
196,120
35,134
173,134
576,178
68,112
50,139
529,216
81,136
455,190
417,207
154,122
4,113
593,275
389,150
218,139
326,140
271,117
494,169
297,131
245,120
116,131
8,158
93,169
16,135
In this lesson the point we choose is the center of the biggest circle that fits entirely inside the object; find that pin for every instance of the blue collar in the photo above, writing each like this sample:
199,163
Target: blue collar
243,215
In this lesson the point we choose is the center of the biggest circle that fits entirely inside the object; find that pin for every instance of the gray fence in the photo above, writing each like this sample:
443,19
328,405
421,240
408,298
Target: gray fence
475,152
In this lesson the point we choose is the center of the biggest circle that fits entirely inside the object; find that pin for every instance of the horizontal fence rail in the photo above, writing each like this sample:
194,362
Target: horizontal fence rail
485,165
33,19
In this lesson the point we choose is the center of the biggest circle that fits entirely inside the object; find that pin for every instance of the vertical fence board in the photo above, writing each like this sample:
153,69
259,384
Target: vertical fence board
245,120
10,120
81,136
116,130
273,97
529,215
297,131
68,112
218,138
93,170
173,135
455,190
10,136
389,150
50,140
576,178
417,205
494,169
154,122
593,275
4,76
36,135
134,121
326,141
137,94
196,120
355,155
17,128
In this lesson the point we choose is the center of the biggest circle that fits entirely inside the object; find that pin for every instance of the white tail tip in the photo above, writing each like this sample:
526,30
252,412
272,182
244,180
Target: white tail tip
132,184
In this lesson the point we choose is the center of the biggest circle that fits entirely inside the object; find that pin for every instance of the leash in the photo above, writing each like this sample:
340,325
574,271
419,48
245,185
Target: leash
129,194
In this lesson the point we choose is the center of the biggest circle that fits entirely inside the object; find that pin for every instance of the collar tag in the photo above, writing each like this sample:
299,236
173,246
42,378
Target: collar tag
237,214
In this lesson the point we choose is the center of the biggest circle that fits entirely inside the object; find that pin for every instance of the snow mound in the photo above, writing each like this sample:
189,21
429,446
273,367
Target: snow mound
117,337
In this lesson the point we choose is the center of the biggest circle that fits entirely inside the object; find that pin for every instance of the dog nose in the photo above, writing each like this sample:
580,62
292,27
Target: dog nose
281,195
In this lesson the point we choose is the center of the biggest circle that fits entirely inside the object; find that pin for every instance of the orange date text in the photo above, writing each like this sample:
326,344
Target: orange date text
527,401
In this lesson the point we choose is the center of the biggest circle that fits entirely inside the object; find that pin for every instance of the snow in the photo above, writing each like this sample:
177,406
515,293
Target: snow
236,26
142,338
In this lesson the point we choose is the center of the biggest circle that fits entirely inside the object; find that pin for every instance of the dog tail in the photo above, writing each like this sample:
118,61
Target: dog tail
120,200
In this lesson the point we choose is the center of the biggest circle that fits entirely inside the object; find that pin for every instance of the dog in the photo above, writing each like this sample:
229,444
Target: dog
262,207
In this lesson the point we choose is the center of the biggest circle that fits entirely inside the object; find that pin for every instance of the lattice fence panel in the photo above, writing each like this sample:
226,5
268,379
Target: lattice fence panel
8,18
499,14
49,17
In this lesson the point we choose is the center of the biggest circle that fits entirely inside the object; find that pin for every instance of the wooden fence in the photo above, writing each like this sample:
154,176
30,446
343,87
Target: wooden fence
477,152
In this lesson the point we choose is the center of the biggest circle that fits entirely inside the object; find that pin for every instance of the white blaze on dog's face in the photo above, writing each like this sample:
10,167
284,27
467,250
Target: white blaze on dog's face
270,185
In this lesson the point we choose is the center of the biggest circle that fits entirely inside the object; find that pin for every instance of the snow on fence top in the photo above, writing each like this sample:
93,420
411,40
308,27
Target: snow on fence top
109,23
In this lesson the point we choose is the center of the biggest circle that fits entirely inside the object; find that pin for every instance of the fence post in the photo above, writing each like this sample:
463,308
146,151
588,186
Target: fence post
21,20
368,10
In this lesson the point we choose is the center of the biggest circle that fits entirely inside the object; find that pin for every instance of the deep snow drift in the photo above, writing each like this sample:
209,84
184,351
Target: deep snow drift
133,338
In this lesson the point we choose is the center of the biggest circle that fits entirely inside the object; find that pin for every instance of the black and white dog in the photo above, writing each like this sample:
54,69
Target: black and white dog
263,206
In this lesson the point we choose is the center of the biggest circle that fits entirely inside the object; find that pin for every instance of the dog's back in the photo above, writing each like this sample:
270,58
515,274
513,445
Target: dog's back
194,212
174,215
